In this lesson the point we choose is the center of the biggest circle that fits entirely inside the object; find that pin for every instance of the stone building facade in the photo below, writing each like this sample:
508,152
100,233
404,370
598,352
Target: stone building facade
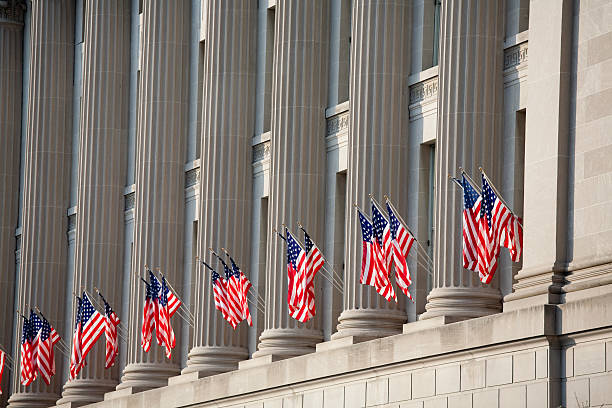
143,132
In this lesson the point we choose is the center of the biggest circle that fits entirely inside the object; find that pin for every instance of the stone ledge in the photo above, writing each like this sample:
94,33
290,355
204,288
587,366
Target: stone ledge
185,378
122,393
258,361
264,373
430,323
340,343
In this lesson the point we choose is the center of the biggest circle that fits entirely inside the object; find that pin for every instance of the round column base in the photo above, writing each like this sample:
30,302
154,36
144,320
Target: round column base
32,400
462,302
146,376
368,324
211,360
286,343
86,391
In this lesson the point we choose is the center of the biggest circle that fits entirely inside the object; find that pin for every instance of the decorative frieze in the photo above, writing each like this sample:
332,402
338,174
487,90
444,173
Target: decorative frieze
192,177
129,201
516,55
261,151
424,90
338,123
12,11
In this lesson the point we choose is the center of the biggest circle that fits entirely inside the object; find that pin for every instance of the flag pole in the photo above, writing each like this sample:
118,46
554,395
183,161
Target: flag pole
472,182
239,268
119,329
419,245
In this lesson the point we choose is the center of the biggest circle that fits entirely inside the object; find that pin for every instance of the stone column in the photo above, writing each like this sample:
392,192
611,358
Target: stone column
469,135
11,61
377,149
47,179
102,167
297,162
160,178
226,174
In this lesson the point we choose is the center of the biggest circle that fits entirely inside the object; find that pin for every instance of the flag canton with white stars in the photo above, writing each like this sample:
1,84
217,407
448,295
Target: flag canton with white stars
163,297
470,195
393,221
215,277
307,242
87,309
107,309
235,268
26,331
488,200
155,286
78,313
366,228
45,331
35,323
379,223
293,250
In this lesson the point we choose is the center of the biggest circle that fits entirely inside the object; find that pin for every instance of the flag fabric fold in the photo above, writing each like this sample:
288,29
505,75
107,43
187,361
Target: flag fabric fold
243,285
148,319
470,225
111,321
76,357
383,251
2,358
44,341
27,368
401,243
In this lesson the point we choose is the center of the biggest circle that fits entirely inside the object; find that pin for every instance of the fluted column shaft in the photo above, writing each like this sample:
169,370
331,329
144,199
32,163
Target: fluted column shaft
226,187
469,135
376,152
297,182
160,177
47,178
101,176
11,60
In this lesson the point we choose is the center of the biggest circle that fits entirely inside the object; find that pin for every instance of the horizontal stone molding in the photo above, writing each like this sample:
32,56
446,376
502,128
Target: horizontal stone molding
338,123
515,55
421,91
261,152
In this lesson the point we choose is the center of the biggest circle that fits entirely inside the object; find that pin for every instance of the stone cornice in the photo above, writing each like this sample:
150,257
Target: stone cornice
424,90
515,55
338,123
261,151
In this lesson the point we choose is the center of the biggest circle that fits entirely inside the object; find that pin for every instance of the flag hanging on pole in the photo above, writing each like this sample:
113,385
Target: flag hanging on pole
382,248
27,369
243,284
111,321
297,292
220,297
401,242
232,295
45,341
512,237
148,318
165,327
92,326
2,358
471,214
493,217
369,263
314,262
76,357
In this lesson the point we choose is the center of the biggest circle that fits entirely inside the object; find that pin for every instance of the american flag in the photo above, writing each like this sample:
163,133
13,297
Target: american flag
382,249
401,241
35,327
369,262
92,325
2,358
512,237
111,321
27,369
314,262
493,218
232,292
220,296
45,340
243,285
163,325
296,270
471,214
148,316
76,357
